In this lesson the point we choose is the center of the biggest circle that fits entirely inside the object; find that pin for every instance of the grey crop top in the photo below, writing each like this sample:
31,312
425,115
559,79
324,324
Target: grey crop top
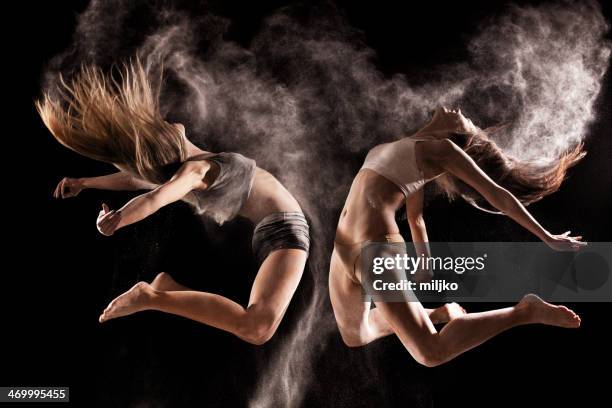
225,197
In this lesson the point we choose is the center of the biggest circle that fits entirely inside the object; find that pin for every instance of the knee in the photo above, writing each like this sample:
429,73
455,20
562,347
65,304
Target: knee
259,327
352,341
350,334
351,338
430,354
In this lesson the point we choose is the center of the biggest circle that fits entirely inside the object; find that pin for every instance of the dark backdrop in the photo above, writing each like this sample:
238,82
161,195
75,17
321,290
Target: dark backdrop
59,273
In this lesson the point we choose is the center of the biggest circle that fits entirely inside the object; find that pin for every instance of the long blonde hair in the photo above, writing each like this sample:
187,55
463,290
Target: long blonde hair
114,120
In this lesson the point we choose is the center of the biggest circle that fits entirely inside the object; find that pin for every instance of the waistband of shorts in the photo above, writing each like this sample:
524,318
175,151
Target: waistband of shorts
281,216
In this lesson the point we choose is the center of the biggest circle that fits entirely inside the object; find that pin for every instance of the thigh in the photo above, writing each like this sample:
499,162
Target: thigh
347,299
278,278
404,313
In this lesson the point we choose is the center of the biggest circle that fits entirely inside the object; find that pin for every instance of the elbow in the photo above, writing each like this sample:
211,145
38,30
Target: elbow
416,220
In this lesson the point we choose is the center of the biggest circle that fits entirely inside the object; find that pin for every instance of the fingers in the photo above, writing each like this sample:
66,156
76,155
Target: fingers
576,245
65,188
104,210
577,242
108,220
109,223
102,216
573,243
114,222
58,188
564,242
55,190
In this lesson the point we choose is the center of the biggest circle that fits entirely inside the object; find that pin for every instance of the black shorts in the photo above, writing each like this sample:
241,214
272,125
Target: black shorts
281,230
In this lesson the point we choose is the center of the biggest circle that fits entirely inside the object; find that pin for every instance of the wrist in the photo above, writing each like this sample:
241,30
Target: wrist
83,182
546,236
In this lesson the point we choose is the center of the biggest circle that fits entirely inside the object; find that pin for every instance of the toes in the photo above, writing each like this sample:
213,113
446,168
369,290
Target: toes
106,313
575,320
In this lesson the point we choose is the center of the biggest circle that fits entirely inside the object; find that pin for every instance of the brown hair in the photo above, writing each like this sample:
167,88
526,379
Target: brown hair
114,120
527,181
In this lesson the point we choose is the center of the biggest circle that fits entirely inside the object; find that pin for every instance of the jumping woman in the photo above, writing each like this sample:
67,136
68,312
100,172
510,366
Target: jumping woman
119,122
462,160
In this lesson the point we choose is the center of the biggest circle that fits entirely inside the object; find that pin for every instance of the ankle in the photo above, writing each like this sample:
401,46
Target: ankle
524,313
149,296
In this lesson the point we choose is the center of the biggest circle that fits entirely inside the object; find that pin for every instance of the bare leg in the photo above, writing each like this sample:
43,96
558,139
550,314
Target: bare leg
431,348
412,324
272,291
439,315
359,323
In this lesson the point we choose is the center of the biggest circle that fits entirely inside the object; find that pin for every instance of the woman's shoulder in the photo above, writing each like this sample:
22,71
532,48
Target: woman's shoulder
199,168
230,161
436,150
234,155
237,159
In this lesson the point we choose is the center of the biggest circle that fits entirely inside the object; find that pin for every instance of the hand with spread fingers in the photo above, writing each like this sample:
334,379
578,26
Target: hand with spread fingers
108,221
565,242
68,187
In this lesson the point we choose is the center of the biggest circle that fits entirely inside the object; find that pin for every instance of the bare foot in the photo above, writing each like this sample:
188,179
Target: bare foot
446,313
134,300
165,282
546,313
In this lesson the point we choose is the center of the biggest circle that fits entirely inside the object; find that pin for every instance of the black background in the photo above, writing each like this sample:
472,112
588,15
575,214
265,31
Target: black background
59,273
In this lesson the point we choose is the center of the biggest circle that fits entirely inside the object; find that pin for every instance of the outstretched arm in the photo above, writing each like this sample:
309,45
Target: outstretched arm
454,160
188,177
120,181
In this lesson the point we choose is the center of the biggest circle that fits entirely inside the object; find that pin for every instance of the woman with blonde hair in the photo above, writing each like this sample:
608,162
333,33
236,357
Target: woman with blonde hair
116,119
462,159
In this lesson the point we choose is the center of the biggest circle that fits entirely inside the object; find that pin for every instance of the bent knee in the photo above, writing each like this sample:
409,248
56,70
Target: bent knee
351,337
430,355
352,341
259,328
